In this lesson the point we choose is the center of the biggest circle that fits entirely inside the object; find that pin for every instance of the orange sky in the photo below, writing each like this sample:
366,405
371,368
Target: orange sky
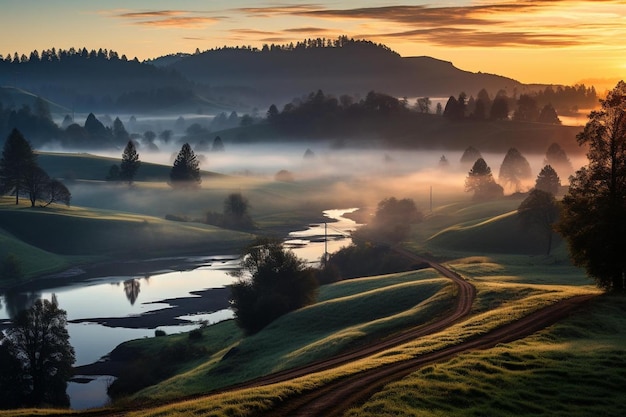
542,41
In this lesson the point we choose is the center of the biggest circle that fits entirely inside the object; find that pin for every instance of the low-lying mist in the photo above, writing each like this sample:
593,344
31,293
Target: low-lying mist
317,176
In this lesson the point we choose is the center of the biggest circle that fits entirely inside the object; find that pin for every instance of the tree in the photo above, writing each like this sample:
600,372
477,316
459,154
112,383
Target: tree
271,282
423,105
130,163
526,109
548,115
514,169
40,341
557,159
56,192
470,156
236,211
218,145
119,131
548,180
593,219
480,181
35,184
185,172
539,211
500,107
17,159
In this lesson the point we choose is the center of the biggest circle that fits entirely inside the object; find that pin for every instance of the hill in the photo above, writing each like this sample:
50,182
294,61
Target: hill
279,74
237,78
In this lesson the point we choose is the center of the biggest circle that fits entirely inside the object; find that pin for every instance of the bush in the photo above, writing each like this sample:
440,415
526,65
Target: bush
159,333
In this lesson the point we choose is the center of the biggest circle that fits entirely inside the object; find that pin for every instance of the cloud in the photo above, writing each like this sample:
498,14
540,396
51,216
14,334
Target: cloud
167,18
487,23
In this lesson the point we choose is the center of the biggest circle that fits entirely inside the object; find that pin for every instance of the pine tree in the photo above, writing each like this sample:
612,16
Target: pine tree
185,172
130,163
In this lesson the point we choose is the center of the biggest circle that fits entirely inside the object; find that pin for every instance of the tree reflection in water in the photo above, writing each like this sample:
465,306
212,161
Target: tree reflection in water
16,301
132,288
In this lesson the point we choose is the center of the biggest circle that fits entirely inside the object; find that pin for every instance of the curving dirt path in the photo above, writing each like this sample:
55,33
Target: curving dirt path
464,301
335,399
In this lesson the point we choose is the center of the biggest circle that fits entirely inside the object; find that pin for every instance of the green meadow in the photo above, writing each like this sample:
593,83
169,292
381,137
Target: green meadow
575,367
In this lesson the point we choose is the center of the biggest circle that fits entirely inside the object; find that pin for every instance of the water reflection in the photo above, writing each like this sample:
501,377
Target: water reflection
16,301
131,289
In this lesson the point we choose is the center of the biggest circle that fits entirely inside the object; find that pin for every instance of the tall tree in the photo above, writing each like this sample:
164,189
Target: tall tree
17,160
39,339
185,172
36,183
514,170
548,180
130,163
593,219
480,181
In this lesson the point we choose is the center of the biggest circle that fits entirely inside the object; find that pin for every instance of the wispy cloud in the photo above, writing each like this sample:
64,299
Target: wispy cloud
486,23
167,18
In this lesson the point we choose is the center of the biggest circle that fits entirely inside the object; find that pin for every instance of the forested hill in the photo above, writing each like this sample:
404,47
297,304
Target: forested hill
235,78
280,73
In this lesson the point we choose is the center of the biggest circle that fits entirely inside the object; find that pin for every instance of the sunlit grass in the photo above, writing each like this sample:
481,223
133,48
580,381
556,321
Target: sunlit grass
574,368
344,318
498,302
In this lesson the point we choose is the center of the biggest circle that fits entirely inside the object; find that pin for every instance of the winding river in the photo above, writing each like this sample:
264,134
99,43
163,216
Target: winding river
104,311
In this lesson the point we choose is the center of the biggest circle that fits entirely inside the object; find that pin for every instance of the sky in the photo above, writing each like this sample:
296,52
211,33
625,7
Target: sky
533,41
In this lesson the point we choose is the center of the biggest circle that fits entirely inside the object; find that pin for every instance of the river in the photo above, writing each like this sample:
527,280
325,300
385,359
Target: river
101,309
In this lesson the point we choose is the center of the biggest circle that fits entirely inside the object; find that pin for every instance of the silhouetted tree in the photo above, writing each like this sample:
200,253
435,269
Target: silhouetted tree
56,192
557,159
593,219
539,211
548,115
480,181
514,169
548,180
236,213
391,222
218,145
39,339
17,161
130,163
185,172
423,105
443,162
271,282
526,109
470,156
35,184
114,173
500,107
119,131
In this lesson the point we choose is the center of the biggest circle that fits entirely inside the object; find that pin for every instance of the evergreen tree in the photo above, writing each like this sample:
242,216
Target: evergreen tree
185,172
480,181
548,115
557,159
17,161
548,180
470,156
130,163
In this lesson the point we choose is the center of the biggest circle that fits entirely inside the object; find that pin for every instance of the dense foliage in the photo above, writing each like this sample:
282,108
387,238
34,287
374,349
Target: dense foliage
185,172
593,219
480,181
539,211
271,282
21,175
37,349
130,163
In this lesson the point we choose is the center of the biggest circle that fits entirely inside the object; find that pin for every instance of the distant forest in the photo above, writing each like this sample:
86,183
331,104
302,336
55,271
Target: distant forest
242,78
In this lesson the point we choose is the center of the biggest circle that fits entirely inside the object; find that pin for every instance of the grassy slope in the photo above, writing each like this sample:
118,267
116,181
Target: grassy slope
353,311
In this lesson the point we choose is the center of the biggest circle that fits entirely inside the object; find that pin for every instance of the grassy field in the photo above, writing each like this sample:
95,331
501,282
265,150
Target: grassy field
576,367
